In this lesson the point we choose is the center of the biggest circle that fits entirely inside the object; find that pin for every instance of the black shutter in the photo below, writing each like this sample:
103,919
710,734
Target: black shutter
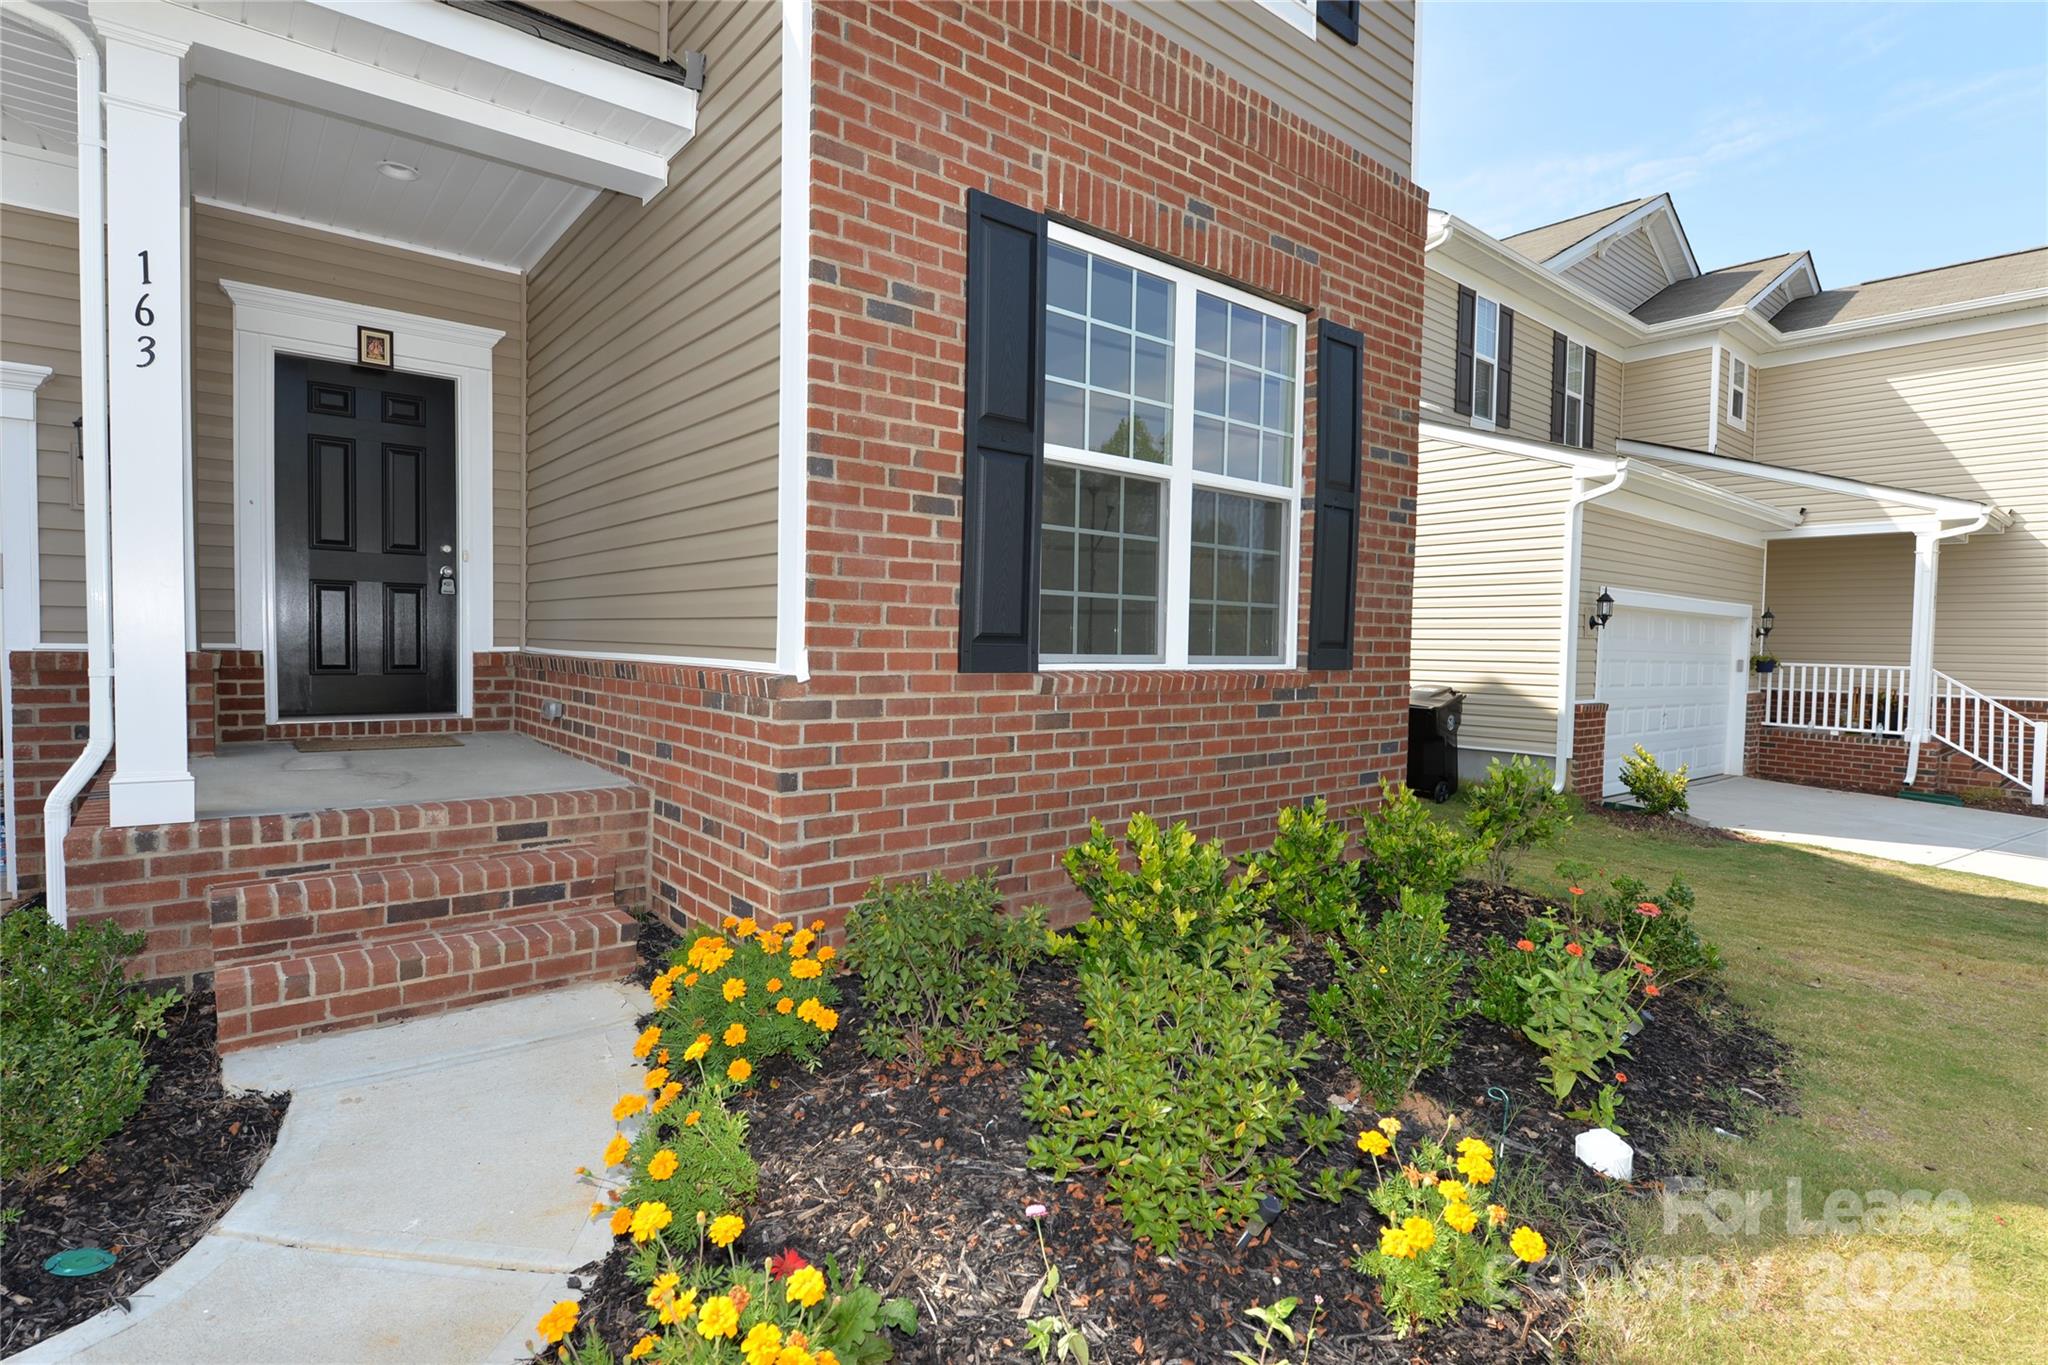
1557,369
1340,17
1461,389
1504,368
1004,436
1333,566
1586,408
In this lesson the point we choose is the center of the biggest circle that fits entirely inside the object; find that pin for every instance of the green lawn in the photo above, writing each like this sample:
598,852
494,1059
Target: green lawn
1916,1004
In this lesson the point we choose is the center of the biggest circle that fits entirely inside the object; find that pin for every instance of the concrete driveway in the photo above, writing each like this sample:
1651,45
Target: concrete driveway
1988,843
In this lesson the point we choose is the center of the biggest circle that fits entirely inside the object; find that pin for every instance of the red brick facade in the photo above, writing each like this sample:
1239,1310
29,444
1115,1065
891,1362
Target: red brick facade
1868,763
1588,776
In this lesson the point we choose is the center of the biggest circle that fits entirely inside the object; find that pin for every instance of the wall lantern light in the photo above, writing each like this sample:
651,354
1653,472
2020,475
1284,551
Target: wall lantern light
1603,610
1770,623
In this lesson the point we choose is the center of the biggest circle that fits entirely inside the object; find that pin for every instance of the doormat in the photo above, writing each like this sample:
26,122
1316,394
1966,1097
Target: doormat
354,743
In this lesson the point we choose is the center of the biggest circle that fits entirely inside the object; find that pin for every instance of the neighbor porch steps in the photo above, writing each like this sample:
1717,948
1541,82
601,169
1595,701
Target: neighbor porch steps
295,955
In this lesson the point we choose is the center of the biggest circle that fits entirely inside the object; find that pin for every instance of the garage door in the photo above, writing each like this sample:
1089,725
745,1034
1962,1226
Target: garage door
1666,677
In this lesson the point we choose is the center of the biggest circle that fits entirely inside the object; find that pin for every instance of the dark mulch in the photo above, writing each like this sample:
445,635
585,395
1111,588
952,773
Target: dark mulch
149,1192
923,1181
1681,828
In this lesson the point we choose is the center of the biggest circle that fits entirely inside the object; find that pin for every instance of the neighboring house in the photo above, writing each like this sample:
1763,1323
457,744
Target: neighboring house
1863,469
887,436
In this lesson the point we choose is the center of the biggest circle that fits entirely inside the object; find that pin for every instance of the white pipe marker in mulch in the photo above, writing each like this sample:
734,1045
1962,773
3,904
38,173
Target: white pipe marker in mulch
1606,1153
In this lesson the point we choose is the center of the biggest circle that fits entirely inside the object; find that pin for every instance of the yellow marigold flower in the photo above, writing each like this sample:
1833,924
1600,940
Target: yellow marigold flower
771,944
1528,1244
746,928
650,1218
1373,1142
646,1042
735,1034
690,1119
825,1019
726,1229
718,1318
1459,1215
795,1355
628,1106
735,988
805,1287
558,1321
644,1346
661,992
1420,1232
763,1343
818,926
824,1358
784,1005
696,1050
663,1165
827,953
661,1057
689,978
655,1079
800,942
1496,1214
1452,1189
666,1098
1391,1127
806,969
808,1008
1472,1146
622,1221
740,1069
596,1207
774,984
728,922
615,1150
663,1290
1394,1242
1476,1168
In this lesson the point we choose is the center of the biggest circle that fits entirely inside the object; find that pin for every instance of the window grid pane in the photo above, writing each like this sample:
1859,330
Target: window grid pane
1101,556
1245,370
1109,357
1236,577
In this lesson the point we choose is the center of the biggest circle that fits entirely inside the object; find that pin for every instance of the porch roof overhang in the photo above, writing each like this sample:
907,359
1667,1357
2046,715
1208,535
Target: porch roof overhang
1887,502
438,73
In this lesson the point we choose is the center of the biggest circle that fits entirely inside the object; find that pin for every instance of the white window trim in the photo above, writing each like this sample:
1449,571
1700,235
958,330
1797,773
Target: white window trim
1491,421
1181,478
1299,15
1576,438
1736,364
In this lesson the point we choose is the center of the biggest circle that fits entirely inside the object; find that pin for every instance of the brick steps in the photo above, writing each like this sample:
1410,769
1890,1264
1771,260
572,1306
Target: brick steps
368,945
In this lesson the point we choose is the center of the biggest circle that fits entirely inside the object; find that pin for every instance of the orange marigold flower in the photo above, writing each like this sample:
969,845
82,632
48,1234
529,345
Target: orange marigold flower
784,1005
735,1034
615,1150
806,970
740,1069
655,1079
697,1048
745,928
771,944
646,1042
1646,969
735,988
644,1346
1525,945
774,984
628,1106
827,953
622,1221
690,1119
663,1165
558,1321
689,978
666,1098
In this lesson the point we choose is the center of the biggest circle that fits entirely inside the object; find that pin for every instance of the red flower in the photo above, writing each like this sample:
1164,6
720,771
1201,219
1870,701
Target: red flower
1575,950
1646,969
786,1265
1525,945
1621,1078
1652,991
1648,909
1578,891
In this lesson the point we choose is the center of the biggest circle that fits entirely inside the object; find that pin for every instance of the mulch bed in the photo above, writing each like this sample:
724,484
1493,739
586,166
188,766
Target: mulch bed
147,1194
922,1180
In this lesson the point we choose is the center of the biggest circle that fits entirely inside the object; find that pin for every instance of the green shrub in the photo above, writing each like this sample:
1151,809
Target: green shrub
1496,993
708,1167
1180,894
1406,846
739,998
1512,809
71,1039
1307,880
939,963
1659,792
1579,1015
1388,1008
1186,1085
1662,934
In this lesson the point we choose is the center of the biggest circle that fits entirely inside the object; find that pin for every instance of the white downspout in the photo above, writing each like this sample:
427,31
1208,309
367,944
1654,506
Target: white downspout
92,354
1568,635
1926,588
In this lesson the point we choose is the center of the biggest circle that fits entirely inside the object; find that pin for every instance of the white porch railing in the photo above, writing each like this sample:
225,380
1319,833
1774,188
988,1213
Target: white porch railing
1863,698
1997,736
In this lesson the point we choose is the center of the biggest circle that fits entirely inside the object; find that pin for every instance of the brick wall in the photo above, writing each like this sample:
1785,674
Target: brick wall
50,715
239,713
1588,775
1864,762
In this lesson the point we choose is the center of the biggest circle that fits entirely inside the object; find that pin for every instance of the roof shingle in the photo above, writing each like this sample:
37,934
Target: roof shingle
1539,244
1947,284
1729,287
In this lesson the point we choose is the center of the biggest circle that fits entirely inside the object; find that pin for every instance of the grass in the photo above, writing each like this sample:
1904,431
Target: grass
1916,1004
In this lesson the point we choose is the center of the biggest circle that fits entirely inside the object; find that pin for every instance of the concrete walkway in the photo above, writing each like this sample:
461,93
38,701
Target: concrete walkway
421,1205
1988,843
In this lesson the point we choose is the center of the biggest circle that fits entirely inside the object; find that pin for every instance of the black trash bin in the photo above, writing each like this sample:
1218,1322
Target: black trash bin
1434,715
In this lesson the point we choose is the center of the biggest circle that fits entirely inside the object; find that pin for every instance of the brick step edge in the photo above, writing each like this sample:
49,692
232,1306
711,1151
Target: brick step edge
403,882
359,985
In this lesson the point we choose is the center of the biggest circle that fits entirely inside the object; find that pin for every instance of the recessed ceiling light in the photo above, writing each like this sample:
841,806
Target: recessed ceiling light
397,170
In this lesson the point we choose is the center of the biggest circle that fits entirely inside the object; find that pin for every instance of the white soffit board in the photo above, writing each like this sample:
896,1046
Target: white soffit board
38,84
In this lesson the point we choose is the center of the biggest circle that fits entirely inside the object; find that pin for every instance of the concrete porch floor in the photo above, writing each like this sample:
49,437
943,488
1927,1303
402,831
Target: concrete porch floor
276,779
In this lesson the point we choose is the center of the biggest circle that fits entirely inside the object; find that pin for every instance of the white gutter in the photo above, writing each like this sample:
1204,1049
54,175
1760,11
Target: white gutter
92,354
1937,503
1568,635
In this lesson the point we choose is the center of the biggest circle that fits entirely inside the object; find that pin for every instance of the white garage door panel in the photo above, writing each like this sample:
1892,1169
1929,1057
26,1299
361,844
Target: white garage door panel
1666,677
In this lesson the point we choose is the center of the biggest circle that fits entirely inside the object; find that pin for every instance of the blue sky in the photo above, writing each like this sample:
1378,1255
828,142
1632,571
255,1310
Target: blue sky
1883,138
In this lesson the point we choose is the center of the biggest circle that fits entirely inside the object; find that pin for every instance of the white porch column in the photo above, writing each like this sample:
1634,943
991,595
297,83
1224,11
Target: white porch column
21,605
1920,656
148,413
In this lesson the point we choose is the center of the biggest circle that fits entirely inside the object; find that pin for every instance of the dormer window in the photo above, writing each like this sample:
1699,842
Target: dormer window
1738,392
1485,359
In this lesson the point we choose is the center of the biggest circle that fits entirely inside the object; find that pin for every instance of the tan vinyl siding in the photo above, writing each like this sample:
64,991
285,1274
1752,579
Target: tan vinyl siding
1529,373
1967,417
1737,443
1610,401
1364,94
651,493
233,246
635,22
1842,599
1667,400
39,326
1625,273
1620,550
1489,565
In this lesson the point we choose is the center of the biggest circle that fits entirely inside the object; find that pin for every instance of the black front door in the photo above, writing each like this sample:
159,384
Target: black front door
365,541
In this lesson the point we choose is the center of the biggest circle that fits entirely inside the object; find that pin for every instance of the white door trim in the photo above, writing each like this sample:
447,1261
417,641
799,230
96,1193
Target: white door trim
1738,614
270,322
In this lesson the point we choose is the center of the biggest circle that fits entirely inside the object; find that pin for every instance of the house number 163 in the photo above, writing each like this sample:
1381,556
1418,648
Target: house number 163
145,316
